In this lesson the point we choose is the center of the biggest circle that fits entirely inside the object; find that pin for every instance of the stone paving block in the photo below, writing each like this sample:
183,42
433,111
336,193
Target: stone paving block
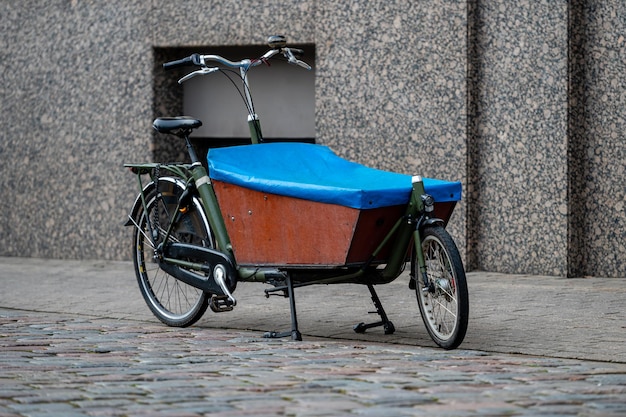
47,409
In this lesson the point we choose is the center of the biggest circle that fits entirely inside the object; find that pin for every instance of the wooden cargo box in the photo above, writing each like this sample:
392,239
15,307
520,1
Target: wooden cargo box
270,229
292,204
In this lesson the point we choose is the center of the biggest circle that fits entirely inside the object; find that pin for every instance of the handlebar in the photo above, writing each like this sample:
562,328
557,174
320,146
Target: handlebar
277,43
190,61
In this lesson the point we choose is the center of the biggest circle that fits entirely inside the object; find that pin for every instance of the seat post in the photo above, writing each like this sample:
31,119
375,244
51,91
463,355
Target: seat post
191,150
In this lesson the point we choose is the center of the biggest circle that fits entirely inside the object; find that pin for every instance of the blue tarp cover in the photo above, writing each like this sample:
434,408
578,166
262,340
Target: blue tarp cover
314,172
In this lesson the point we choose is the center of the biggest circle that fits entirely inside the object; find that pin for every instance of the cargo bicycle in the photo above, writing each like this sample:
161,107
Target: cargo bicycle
288,215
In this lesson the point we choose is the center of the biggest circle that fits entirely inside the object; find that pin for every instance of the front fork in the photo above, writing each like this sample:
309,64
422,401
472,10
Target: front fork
424,205
421,263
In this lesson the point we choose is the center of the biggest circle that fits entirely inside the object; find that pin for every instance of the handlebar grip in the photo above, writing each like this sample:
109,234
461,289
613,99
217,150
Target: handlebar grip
190,61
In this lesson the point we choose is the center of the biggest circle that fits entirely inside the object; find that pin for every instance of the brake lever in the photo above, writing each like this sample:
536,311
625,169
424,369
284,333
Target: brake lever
303,64
203,71
288,53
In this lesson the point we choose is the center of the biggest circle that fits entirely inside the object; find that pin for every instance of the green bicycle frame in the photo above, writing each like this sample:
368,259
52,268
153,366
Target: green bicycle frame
404,230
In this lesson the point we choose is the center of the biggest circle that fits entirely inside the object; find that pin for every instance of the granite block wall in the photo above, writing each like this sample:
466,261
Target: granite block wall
597,148
521,101
76,93
518,85
546,90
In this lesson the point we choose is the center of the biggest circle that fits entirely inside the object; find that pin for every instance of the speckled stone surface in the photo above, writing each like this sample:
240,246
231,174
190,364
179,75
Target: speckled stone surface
597,157
518,136
76,98
521,101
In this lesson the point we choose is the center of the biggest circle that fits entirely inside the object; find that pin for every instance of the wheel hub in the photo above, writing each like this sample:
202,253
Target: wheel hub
443,288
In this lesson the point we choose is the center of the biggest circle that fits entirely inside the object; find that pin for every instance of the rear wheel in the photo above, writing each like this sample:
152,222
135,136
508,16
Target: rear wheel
172,301
444,302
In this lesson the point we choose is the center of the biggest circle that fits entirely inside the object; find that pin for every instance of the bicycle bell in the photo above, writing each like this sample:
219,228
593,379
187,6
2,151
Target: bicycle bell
277,41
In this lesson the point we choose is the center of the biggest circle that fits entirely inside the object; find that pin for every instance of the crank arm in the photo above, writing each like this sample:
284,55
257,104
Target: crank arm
219,275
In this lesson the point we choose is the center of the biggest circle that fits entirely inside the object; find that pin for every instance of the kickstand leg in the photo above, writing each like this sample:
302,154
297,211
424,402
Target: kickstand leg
385,322
294,332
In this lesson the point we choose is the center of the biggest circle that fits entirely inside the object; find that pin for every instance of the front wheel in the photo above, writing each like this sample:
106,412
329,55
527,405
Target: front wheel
444,300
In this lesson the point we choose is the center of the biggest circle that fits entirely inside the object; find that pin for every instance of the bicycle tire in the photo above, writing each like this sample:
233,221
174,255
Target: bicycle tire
444,304
173,302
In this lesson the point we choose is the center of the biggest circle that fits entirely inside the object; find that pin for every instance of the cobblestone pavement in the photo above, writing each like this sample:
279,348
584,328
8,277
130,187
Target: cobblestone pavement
534,315
66,365
76,339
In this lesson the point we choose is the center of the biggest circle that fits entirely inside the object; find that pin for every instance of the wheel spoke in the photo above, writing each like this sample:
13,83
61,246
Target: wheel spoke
447,310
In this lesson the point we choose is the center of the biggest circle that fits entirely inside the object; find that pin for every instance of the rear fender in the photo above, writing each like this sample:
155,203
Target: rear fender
134,213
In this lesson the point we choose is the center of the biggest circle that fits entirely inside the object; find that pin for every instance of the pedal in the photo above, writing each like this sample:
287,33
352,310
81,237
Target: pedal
220,303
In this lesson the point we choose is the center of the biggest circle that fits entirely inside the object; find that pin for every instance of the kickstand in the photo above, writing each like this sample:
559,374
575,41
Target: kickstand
387,325
294,332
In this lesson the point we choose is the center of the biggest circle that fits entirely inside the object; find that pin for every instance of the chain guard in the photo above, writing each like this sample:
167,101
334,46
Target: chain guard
198,254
